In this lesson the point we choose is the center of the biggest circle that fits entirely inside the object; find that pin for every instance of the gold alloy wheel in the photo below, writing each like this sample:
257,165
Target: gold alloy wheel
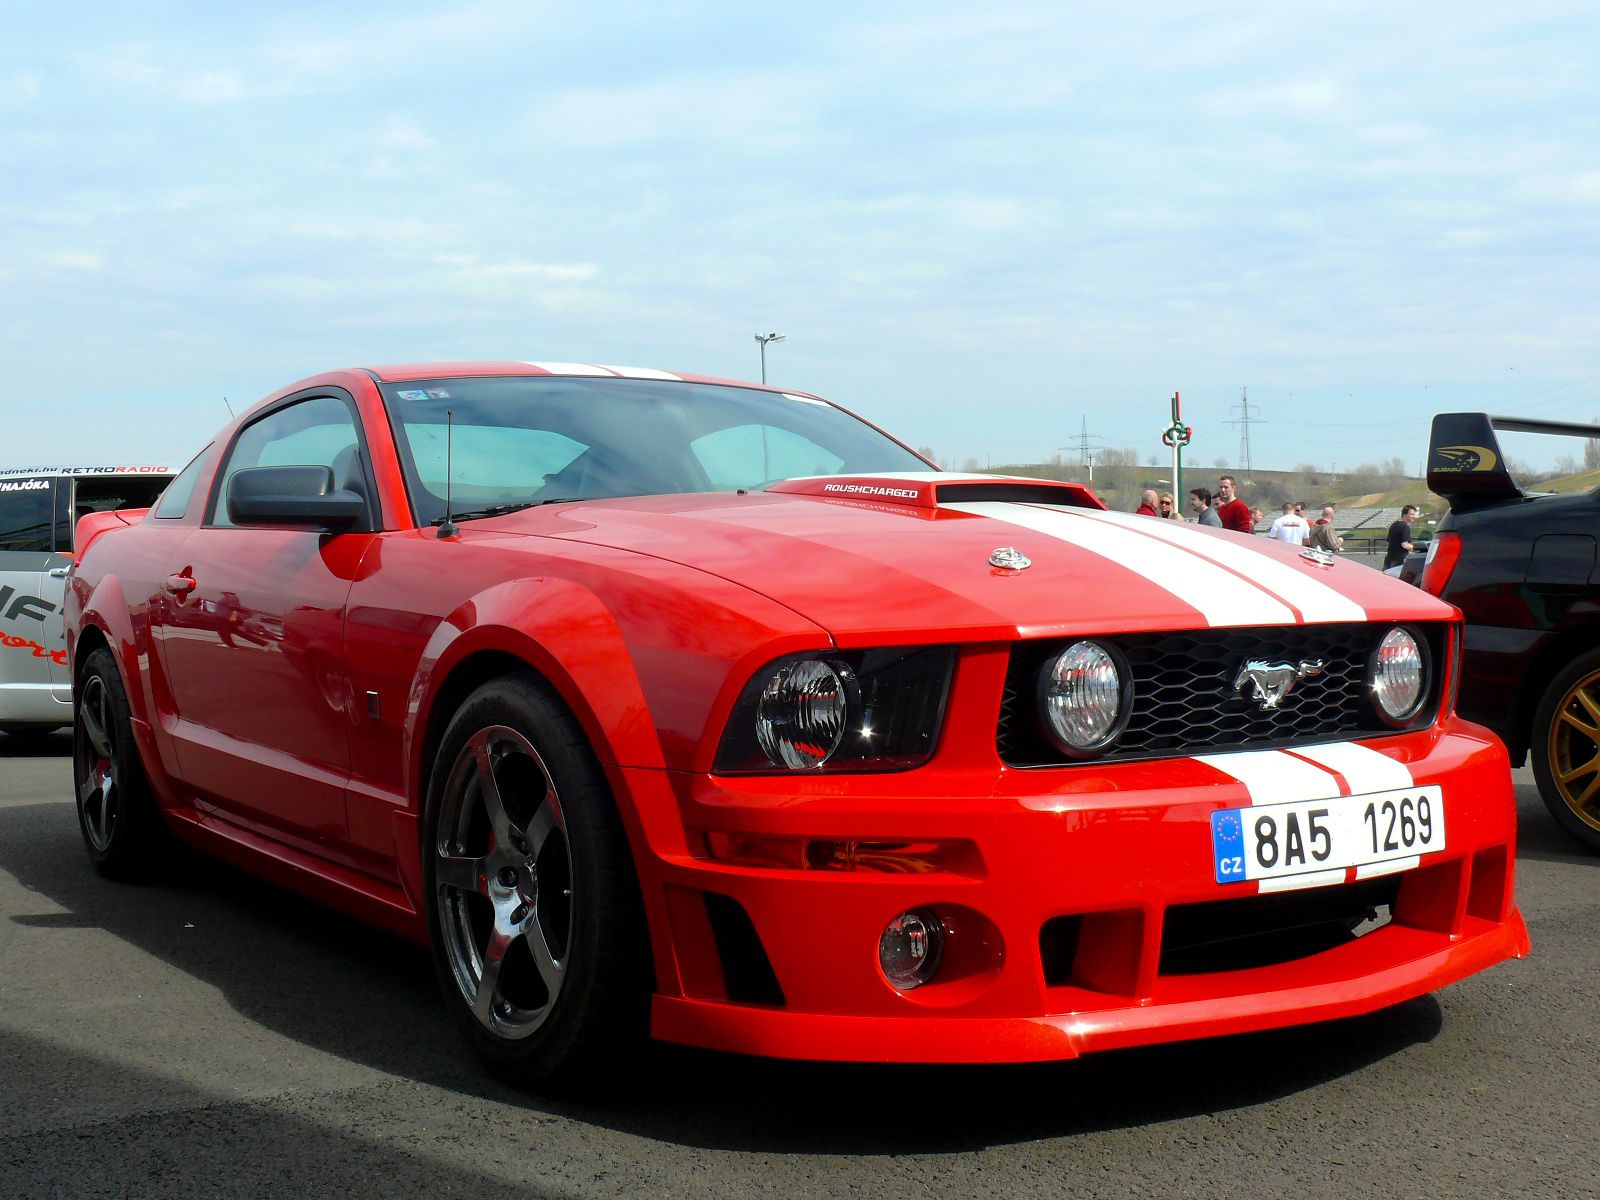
1573,749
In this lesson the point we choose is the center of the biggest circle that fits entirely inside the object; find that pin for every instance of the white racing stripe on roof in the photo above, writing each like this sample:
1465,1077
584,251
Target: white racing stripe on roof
1314,598
1364,769
1222,597
570,368
643,373
1273,777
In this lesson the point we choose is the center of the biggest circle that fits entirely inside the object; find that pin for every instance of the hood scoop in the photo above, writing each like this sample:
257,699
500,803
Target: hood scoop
930,489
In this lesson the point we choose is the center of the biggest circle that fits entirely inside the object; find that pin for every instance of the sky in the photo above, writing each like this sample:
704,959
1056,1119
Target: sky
978,226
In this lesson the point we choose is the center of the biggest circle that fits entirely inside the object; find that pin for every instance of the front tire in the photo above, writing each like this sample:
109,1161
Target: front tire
117,815
534,916
1566,749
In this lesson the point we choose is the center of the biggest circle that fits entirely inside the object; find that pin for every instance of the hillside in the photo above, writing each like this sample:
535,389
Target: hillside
1120,486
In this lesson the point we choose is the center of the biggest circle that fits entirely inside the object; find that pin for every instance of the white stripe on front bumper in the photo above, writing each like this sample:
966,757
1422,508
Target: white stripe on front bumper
1273,777
1364,769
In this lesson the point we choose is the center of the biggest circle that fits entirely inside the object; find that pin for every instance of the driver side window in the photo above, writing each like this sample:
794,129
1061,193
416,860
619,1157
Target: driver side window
320,432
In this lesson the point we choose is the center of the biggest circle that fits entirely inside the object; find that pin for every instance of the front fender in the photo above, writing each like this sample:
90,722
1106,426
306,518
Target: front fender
567,634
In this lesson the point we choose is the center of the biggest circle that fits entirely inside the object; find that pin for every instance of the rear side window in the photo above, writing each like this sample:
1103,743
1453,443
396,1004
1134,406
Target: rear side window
27,514
175,500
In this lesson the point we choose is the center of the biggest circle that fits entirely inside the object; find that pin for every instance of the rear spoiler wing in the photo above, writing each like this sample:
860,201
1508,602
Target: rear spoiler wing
1465,463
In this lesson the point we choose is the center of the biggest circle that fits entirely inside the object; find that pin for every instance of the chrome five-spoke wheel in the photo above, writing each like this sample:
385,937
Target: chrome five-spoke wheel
122,829
534,914
95,764
503,882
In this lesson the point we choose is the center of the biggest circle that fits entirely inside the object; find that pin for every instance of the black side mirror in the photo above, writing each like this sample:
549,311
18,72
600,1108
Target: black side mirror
291,496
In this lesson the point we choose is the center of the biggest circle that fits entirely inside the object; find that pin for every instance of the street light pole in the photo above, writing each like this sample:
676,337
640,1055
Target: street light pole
762,339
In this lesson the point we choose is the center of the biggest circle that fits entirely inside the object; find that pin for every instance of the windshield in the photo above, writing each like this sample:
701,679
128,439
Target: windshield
536,439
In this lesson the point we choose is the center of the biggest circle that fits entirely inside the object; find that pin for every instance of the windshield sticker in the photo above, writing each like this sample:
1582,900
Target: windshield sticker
27,485
438,394
412,395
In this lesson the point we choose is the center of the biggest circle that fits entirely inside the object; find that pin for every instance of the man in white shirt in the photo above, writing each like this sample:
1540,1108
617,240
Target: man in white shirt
1290,529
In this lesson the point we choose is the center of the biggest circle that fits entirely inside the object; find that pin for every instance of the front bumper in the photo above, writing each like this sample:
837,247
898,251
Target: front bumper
1062,923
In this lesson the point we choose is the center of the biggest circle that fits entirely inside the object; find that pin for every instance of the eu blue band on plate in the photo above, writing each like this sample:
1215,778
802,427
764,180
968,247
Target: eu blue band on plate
1227,844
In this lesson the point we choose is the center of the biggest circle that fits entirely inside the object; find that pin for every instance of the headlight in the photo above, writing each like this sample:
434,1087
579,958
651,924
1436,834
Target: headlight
1398,676
857,710
800,717
1085,696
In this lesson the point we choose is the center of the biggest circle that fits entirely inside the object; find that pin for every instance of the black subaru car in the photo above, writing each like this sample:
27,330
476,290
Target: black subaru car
1523,570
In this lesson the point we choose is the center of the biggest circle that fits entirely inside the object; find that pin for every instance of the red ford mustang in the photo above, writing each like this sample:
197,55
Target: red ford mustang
655,704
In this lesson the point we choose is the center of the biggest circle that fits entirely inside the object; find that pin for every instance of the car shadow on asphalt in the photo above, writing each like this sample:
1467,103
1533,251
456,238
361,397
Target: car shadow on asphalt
1539,837
181,1140
340,987
55,743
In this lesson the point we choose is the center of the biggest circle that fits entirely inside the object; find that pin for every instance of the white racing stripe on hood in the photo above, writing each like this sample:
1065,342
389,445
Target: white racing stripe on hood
1222,597
1273,777
1364,769
1315,599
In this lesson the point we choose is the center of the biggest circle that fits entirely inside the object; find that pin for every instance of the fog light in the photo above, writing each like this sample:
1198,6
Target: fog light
910,947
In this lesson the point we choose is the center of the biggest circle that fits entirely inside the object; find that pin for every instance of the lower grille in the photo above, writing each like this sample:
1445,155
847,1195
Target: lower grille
1262,931
1184,700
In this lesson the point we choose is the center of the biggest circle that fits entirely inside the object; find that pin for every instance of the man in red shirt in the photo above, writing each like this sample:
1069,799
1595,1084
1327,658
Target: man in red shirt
1235,513
1147,504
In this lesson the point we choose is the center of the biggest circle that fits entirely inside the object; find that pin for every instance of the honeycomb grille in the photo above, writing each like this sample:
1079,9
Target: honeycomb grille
1184,700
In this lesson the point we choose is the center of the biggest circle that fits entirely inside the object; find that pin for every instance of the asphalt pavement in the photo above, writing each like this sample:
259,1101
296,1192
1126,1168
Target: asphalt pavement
212,1036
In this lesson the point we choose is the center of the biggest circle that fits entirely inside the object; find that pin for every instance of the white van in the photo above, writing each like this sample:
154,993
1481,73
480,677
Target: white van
39,510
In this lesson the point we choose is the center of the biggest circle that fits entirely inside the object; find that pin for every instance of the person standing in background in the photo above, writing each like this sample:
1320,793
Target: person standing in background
1290,528
1147,504
1200,505
1165,508
1399,540
1323,535
1232,511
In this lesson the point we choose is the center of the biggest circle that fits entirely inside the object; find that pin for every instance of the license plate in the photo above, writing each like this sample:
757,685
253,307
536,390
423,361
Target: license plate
1273,841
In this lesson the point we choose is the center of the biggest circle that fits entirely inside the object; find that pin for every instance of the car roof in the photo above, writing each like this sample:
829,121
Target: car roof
406,372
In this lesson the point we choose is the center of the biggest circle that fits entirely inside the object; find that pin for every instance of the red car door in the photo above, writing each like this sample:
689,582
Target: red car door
252,634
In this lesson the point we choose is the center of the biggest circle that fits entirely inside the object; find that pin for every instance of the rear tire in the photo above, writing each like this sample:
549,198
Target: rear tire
1565,741
534,915
122,829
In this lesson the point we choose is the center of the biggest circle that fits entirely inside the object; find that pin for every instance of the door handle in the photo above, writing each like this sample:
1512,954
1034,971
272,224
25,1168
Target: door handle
180,585
59,572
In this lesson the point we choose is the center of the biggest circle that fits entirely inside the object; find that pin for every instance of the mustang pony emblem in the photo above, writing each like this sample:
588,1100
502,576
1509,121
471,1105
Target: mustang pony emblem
1273,681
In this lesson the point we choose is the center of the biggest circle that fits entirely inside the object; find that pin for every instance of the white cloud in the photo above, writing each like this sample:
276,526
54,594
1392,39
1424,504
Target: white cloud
78,260
19,88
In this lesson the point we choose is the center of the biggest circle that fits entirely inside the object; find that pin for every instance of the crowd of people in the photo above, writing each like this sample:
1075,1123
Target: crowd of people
1223,509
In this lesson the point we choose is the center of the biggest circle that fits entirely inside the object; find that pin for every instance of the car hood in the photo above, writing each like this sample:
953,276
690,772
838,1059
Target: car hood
874,567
